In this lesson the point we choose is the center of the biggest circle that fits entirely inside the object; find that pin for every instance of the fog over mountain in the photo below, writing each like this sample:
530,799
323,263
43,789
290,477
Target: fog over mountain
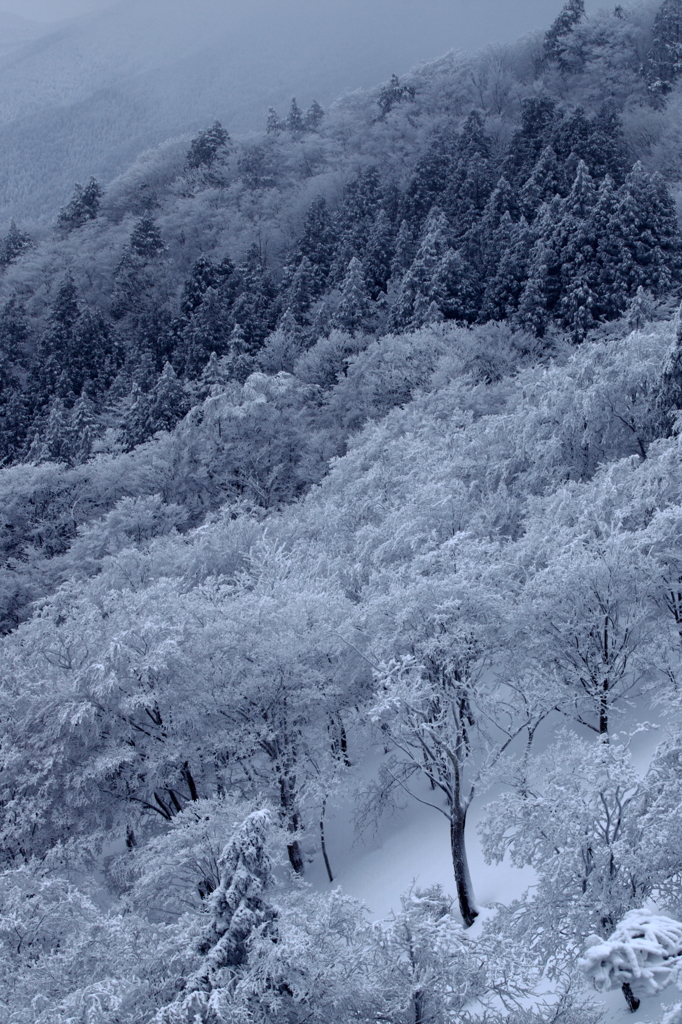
87,97
16,32
54,10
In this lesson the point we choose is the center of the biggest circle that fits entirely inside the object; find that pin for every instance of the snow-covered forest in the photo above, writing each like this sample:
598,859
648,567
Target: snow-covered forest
341,492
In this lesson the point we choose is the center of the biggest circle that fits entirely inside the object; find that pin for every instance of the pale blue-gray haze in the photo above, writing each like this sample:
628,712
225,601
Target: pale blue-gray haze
87,85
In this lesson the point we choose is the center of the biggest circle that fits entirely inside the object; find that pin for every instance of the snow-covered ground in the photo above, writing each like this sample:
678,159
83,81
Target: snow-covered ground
411,847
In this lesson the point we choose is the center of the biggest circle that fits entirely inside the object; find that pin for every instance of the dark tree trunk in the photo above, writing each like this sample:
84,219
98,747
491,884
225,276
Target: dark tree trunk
174,800
323,843
604,709
419,1007
630,998
344,742
296,856
287,787
191,784
460,864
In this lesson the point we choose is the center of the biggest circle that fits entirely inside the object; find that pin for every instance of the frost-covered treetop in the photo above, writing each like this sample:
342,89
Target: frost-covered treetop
644,951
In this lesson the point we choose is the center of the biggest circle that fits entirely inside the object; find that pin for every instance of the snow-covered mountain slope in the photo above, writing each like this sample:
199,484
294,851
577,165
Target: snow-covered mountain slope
94,93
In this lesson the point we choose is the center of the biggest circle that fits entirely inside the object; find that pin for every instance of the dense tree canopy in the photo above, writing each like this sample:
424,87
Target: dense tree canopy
342,476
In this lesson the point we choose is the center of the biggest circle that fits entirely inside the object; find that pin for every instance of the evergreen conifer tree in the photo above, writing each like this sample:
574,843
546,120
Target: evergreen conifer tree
404,251
168,402
274,124
394,93
354,310
15,421
238,909
65,309
283,347
83,206
56,349
579,302
83,427
379,254
57,441
255,309
582,196
302,290
538,122
317,244
572,245
571,142
145,240
14,332
417,285
362,199
213,376
429,182
557,37
13,245
546,181
665,57
611,260
208,146
158,409
209,326
200,386
472,181
532,314
239,905
473,140
241,357
456,287
503,289
95,356
503,200
606,151
134,425
295,122
641,309
482,246
647,226
313,117
204,275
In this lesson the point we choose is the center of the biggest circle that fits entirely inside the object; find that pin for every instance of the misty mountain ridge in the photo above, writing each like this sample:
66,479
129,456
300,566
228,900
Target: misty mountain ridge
89,96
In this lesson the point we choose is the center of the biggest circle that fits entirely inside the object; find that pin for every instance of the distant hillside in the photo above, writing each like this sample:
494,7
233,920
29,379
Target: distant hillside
95,93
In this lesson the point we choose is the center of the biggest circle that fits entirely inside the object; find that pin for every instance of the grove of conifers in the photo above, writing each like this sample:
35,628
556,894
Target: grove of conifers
342,468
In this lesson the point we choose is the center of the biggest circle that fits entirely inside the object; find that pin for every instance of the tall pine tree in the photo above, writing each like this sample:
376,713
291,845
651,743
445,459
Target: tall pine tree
557,48
665,56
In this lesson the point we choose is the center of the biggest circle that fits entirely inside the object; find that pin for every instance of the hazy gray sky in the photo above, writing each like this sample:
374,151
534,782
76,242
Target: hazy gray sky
53,10
498,18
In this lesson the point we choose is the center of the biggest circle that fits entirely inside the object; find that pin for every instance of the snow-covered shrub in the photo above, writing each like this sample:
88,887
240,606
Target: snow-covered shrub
644,952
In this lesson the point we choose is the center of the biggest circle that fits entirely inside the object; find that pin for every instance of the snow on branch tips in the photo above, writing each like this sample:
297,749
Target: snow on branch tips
644,955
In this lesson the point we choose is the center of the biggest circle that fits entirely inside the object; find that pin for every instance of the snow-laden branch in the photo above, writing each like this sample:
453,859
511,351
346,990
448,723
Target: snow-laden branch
644,952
